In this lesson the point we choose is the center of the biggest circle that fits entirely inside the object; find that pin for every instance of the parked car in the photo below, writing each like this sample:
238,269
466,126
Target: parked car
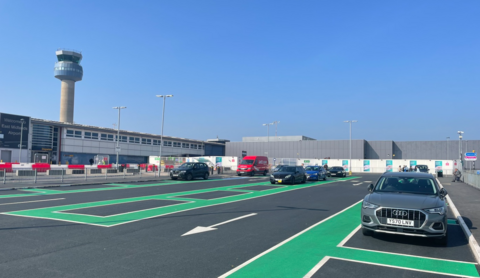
423,168
289,174
190,170
336,171
409,203
315,173
251,165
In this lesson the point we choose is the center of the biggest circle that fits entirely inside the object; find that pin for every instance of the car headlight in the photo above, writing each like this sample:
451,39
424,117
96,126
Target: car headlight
367,205
289,176
272,176
440,210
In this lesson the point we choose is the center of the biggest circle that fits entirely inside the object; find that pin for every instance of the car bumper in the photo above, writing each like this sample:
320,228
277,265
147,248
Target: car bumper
429,227
313,178
336,174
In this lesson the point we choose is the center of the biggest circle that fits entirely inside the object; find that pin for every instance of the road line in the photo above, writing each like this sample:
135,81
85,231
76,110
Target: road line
32,201
234,219
317,267
402,267
357,184
349,236
285,241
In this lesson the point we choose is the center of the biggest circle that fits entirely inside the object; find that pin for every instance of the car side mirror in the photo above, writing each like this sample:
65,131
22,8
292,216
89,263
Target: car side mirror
443,192
370,187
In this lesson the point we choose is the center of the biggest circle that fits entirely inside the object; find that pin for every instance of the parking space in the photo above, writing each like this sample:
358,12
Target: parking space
250,229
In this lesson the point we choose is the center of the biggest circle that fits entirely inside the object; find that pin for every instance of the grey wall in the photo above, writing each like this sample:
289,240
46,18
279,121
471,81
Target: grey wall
378,149
432,149
302,149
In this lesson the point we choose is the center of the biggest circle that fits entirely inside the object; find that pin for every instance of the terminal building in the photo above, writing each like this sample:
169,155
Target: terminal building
61,142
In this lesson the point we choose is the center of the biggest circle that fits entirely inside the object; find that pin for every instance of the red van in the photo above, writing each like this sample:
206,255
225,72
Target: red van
252,165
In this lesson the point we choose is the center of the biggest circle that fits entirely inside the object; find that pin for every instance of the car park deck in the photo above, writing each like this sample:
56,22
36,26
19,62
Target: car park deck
250,229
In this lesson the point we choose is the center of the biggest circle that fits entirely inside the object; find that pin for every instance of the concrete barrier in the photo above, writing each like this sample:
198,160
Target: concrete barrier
25,173
55,172
95,171
109,171
75,172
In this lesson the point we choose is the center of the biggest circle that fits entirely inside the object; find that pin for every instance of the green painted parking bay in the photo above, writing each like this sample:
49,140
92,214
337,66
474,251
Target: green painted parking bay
235,193
304,254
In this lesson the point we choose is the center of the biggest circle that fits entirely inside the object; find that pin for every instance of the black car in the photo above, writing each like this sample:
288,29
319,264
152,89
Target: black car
336,171
423,168
190,170
289,174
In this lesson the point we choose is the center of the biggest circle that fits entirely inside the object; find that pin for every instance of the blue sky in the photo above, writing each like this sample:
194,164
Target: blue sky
406,70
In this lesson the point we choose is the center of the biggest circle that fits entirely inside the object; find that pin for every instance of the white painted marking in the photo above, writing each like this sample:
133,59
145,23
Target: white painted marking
32,201
317,267
357,184
201,229
349,236
472,242
283,242
401,267
367,181
354,181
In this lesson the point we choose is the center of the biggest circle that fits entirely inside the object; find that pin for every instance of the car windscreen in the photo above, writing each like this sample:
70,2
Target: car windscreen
312,168
187,165
247,162
413,185
336,168
422,167
287,169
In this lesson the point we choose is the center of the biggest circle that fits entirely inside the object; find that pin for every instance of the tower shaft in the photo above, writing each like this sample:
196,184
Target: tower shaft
67,100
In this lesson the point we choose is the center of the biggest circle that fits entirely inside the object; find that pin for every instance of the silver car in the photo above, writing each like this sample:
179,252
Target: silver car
410,203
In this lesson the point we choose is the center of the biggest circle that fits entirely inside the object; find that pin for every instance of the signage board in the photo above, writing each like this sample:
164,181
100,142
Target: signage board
470,157
345,164
306,161
324,161
366,165
244,153
10,127
389,165
438,166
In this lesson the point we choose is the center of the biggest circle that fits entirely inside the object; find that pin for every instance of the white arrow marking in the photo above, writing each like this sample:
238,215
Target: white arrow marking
201,229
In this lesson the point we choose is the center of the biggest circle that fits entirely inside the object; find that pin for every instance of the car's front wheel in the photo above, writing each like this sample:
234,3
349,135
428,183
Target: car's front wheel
173,178
367,232
292,181
442,241
272,182
189,177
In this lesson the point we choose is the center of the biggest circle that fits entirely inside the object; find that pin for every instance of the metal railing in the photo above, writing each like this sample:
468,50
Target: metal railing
472,177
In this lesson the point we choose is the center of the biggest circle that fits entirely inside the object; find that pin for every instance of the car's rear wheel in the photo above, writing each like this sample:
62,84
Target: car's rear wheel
367,232
205,177
189,177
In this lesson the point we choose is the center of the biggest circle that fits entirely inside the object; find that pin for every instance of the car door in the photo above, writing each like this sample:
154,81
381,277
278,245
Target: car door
196,170
298,174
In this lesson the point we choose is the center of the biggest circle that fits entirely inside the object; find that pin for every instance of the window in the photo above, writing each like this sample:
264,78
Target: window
185,145
156,142
146,141
177,145
193,146
74,133
134,140
167,143
91,135
199,147
107,137
124,139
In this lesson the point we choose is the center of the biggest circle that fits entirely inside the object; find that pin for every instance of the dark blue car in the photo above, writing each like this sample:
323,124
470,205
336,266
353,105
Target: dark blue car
315,173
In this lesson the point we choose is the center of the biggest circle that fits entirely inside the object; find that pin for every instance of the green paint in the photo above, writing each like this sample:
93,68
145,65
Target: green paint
298,256
61,212
452,222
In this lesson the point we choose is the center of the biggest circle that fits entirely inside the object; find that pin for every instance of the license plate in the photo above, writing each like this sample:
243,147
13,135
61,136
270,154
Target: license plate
401,222
279,181
174,175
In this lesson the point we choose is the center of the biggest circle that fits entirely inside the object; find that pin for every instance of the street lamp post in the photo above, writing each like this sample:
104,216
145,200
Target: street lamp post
350,161
21,141
117,149
161,136
448,138
460,136
268,133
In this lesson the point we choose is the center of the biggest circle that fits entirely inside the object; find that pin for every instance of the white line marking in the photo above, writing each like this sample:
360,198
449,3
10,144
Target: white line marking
367,181
472,242
401,267
317,267
349,236
201,229
357,184
32,201
285,241
108,226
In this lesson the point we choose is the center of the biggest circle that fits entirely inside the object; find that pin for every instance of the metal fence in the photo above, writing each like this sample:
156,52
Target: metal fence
471,177
73,175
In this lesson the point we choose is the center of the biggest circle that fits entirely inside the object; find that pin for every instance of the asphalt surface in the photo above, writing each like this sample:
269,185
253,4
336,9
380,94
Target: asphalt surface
110,231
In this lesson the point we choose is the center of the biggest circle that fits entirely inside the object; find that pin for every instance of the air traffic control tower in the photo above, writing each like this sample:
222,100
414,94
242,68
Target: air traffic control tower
69,71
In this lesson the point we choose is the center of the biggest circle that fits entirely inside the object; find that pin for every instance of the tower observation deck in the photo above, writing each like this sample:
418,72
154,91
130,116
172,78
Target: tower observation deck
69,71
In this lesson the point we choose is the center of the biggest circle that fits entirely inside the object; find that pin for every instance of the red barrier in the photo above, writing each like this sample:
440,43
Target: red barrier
150,168
108,166
41,167
79,167
7,167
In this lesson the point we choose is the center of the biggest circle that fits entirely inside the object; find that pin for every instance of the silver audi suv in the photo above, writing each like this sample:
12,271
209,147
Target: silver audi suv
410,203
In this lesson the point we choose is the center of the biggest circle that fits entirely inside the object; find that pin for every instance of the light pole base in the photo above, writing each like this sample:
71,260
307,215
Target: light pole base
349,173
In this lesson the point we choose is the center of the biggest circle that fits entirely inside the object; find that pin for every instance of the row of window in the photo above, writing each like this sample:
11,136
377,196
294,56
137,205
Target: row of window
68,69
127,139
